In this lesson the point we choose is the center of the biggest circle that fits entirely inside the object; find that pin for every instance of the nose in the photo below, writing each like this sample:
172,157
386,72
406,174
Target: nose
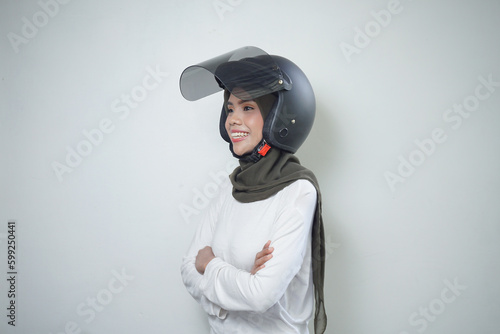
235,118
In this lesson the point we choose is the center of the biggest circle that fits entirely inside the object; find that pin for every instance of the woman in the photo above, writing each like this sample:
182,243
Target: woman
256,263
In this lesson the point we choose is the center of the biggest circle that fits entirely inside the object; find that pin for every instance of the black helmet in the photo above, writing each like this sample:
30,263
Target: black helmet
256,73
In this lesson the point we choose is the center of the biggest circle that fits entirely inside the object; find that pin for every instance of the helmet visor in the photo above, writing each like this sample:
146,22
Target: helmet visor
247,72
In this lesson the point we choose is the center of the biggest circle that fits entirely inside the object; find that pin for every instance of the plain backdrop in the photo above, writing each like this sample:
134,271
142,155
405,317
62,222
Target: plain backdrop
106,169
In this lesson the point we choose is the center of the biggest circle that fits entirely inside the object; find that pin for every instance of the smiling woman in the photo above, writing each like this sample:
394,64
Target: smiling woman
256,263
245,121
244,124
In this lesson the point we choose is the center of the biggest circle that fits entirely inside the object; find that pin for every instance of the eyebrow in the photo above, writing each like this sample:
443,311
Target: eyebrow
240,102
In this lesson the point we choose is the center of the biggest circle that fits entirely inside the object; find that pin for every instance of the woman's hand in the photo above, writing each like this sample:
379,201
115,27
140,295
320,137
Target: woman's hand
204,256
262,257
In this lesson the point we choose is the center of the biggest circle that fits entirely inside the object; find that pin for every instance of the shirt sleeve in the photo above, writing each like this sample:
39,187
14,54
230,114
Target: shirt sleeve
190,276
237,290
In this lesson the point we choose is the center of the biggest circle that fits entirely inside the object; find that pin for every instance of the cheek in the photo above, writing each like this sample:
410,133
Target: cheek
257,125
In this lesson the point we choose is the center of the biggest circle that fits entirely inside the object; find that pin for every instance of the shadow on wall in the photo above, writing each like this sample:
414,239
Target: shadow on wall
320,154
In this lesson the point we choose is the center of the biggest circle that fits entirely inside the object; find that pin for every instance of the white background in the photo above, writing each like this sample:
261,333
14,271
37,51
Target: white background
131,205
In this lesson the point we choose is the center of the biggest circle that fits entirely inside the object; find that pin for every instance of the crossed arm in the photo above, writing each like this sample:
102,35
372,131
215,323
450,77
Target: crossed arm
205,255
218,286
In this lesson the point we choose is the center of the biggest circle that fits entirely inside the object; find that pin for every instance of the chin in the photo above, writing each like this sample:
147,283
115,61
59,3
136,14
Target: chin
240,152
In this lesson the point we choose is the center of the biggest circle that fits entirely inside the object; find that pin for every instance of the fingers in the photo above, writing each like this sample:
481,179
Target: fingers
265,254
256,269
205,255
205,249
262,257
260,263
266,250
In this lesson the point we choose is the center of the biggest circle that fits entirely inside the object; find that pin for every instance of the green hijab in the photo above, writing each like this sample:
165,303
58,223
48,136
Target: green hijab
255,181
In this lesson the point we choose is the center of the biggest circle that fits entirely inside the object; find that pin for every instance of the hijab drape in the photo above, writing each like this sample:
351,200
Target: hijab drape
255,181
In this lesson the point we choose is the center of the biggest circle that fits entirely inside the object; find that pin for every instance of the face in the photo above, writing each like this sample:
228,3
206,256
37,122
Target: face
244,124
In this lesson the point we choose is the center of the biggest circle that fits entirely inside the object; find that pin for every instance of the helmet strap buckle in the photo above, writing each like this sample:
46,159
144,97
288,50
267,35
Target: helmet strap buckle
263,149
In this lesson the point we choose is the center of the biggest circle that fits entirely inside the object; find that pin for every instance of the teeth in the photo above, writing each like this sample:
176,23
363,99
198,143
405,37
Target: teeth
239,134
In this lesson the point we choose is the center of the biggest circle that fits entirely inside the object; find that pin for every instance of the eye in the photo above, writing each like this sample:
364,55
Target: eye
248,108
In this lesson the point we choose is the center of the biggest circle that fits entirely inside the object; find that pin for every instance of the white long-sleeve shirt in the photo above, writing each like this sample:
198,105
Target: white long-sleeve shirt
280,297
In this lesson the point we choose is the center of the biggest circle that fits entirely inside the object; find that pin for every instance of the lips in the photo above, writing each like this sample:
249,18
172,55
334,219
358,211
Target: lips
237,135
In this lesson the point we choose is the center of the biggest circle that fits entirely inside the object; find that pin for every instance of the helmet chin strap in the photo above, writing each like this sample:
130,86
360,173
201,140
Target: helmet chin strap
257,153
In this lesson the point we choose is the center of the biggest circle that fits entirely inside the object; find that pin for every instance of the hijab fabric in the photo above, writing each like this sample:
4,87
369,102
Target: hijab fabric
255,181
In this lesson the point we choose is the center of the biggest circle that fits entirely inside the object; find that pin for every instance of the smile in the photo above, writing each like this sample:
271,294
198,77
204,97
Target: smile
238,136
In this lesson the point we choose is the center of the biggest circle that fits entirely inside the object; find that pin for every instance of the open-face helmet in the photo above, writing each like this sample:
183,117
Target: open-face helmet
248,73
